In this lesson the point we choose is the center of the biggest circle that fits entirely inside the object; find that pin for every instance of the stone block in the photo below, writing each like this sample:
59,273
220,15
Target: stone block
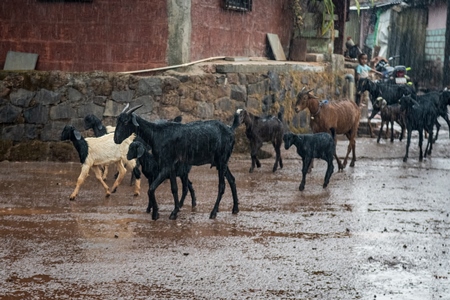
37,114
20,61
21,97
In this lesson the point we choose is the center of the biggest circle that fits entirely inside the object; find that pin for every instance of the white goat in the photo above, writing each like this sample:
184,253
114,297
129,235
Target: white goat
95,152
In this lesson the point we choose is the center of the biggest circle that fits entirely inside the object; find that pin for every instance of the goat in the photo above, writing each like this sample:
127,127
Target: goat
309,146
391,93
94,152
260,130
440,102
343,116
390,114
150,169
418,117
92,121
195,143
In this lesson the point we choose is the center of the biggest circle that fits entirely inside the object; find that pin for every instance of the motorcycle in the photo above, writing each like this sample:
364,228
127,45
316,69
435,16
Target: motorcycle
394,75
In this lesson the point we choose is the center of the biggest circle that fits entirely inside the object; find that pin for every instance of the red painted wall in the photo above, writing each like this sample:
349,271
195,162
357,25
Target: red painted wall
108,35
217,32
125,35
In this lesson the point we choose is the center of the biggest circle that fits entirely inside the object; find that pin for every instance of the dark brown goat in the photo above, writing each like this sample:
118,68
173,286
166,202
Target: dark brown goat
260,130
390,114
343,116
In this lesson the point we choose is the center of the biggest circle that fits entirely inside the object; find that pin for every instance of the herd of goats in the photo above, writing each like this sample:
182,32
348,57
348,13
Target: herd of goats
167,149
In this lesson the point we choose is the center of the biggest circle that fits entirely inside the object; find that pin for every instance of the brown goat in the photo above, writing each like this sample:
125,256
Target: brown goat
259,130
343,116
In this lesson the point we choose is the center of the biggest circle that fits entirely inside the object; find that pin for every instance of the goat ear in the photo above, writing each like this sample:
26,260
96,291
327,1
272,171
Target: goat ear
140,151
133,119
77,134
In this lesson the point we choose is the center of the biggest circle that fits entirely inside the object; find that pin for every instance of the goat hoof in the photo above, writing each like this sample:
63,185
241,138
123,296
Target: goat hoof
213,215
405,159
352,164
301,188
72,198
114,190
325,185
250,171
235,211
148,210
155,217
173,216
136,194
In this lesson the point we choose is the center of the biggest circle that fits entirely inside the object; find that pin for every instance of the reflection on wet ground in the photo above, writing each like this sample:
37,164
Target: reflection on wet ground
379,231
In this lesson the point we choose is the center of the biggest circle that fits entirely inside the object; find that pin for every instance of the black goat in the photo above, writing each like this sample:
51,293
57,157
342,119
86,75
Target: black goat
418,117
260,130
150,169
440,102
309,146
389,115
195,143
92,121
390,92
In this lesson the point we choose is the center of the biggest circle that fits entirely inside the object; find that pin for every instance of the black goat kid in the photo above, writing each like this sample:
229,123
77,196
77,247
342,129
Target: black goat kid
195,143
150,169
309,146
418,117
260,130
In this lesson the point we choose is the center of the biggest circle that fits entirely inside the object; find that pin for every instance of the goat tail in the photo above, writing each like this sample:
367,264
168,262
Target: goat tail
333,133
236,122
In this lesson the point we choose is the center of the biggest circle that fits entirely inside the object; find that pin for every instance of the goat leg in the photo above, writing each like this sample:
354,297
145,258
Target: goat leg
152,205
192,192
232,182
408,142
392,131
184,183
379,132
330,170
420,144
305,167
98,175
174,189
222,170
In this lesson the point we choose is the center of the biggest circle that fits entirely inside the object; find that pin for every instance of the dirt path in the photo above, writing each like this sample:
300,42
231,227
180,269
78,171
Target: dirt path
379,231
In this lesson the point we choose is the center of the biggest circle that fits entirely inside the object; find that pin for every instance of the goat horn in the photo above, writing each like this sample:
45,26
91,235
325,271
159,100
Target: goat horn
134,108
126,107
302,89
309,91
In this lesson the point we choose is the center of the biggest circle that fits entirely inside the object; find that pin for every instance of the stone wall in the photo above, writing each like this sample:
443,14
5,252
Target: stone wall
35,106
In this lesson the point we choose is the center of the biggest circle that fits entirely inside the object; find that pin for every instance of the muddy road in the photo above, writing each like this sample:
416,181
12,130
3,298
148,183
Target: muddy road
380,230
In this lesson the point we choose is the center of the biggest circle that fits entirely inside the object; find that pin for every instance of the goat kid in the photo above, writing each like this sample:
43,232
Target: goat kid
195,143
418,117
260,130
309,146
151,170
389,115
95,152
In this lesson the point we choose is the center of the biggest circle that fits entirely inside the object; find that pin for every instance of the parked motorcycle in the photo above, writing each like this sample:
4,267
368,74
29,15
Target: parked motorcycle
394,75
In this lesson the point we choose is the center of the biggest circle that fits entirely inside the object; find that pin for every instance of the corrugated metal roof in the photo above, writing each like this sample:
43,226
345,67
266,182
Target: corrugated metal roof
366,4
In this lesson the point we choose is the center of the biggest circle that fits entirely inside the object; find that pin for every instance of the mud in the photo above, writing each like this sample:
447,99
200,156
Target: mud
380,230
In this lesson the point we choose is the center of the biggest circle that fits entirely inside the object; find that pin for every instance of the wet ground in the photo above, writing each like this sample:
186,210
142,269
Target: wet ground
380,230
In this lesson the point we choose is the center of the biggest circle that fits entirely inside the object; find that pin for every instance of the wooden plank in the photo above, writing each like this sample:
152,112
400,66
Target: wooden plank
276,47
